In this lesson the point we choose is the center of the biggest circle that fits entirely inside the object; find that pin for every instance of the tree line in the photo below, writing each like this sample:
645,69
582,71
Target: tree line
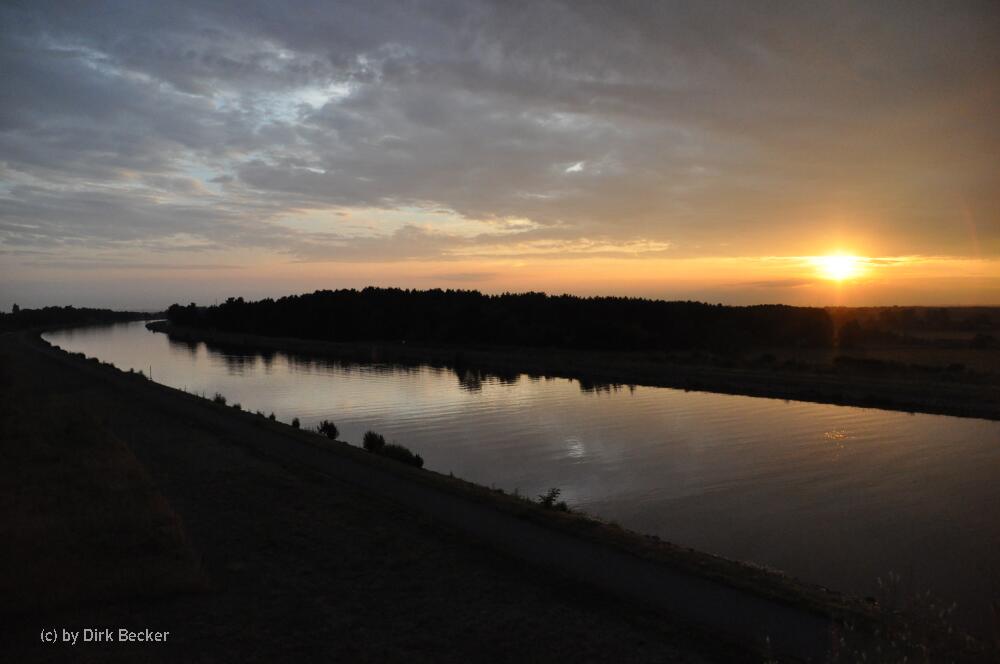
514,319
20,319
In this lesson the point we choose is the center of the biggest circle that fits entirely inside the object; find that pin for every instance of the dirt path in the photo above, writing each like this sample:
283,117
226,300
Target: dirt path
269,514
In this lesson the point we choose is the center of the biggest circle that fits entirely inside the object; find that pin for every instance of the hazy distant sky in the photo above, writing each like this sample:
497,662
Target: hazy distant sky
160,151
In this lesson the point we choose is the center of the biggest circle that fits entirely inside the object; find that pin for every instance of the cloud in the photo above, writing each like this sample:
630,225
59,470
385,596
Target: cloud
709,129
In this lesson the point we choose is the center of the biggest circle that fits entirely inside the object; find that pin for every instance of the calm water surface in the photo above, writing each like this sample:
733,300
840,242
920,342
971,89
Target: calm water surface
834,495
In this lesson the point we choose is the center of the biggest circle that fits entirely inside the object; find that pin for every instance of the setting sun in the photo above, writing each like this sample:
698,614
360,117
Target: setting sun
839,267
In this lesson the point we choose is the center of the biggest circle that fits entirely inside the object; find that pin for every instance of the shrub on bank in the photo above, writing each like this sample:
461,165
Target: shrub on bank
375,443
218,398
328,429
295,423
550,500
400,453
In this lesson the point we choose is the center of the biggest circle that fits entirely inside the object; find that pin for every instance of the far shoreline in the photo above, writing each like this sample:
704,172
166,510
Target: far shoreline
653,369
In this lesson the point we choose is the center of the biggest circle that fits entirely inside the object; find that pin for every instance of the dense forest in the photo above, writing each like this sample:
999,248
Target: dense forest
20,319
524,319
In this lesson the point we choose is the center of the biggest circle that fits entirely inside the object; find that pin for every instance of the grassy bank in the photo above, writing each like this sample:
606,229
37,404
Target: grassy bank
81,520
867,382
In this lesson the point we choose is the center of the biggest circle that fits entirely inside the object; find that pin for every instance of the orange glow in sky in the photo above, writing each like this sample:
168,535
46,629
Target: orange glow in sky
839,266
781,157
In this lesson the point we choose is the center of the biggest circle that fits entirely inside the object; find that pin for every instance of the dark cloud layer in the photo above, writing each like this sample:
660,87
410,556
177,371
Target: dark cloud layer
719,128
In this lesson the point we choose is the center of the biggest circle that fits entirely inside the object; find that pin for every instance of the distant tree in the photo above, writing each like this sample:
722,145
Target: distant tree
23,318
515,319
295,423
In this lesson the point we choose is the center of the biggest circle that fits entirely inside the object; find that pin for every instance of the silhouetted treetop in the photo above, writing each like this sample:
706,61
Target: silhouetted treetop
521,319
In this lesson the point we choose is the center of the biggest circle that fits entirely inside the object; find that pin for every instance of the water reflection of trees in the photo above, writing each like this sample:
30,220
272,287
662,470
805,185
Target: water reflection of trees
267,359
239,361
588,386
308,363
470,377
184,346
239,364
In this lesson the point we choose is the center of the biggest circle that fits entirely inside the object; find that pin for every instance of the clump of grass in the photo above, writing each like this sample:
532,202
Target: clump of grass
218,398
295,423
328,429
375,443
550,500
271,417
238,406
401,453
923,629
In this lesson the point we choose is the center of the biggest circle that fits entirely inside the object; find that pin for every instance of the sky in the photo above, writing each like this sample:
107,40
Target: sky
805,153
